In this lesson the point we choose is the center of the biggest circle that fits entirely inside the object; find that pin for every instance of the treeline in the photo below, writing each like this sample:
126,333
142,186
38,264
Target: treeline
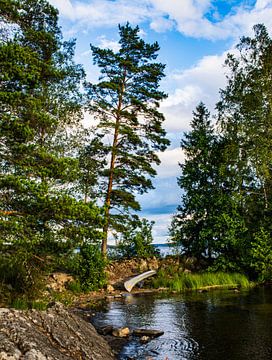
64,187
226,205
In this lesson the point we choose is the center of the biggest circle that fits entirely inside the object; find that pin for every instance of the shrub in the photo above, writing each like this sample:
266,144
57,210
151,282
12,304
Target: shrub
89,267
22,272
137,240
261,255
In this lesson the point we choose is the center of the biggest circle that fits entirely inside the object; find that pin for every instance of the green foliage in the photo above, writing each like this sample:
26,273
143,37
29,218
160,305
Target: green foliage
22,272
40,104
187,281
126,102
208,222
74,286
261,255
227,176
136,240
22,303
89,267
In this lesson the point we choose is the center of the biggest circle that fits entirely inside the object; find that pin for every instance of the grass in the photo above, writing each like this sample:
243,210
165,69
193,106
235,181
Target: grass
21,303
187,281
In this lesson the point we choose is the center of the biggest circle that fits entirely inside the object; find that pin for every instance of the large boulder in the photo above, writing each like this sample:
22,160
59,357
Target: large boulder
54,334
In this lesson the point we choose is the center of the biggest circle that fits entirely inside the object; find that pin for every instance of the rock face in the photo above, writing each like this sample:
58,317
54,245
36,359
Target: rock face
55,334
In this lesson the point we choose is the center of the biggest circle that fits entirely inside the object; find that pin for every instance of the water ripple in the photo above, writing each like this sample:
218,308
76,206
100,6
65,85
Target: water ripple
161,349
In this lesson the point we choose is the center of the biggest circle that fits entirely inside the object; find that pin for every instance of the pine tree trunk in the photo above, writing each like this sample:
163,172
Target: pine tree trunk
111,175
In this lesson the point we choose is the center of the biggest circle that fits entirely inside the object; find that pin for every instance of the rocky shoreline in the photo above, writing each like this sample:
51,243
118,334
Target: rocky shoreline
54,334
61,333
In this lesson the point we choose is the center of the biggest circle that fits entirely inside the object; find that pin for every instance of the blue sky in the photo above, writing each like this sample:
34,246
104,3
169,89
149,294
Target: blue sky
194,36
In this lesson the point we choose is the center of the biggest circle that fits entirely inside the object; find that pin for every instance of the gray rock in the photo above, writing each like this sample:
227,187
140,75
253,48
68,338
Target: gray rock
148,332
55,334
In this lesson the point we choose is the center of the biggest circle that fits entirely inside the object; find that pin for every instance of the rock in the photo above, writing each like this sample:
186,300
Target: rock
191,263
58,281
153,264
105,330
121,332
144,339
148,332
110,288
54,334
143,265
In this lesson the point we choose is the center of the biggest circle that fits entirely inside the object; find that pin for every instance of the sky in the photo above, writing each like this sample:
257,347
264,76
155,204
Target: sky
194,37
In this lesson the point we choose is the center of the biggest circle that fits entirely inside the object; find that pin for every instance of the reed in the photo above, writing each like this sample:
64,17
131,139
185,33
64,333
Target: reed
187,281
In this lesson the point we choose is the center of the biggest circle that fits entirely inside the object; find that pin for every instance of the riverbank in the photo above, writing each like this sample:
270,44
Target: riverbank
174,274
56,333
170,269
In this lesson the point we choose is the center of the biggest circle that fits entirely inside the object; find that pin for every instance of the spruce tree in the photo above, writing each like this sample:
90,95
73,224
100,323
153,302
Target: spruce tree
208,222
191,225
126,102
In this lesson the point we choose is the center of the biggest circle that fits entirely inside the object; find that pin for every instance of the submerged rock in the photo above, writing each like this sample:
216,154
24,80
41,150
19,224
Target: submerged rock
121,332
148,332
144,339
55,334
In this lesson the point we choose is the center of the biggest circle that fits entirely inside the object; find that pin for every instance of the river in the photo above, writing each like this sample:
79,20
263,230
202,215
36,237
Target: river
217,325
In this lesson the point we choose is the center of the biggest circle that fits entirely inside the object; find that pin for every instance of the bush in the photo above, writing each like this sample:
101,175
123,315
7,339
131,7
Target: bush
137,240
89,267
261,255
22,272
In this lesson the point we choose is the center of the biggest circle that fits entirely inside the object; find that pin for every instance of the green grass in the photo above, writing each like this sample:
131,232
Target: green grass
21,303
75,287
182,281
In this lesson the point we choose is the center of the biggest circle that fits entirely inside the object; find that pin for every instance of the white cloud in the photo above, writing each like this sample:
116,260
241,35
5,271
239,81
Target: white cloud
187,16
190,17
98,13
162,24
198,83
161,226
105,43
169,163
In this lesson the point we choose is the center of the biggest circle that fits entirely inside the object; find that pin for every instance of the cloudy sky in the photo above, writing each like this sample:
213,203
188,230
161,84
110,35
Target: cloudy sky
194,36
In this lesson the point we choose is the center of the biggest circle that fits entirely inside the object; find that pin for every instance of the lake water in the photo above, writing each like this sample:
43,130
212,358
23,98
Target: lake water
218,325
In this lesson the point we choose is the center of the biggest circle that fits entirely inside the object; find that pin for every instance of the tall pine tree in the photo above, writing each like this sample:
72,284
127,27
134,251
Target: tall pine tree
126,102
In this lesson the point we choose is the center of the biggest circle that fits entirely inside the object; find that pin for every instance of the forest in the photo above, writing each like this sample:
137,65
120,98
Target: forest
66,189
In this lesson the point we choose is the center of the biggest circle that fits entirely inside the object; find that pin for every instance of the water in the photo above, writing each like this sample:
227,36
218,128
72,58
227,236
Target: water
218,325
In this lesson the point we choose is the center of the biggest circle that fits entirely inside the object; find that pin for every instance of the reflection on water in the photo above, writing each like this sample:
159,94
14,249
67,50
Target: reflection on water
212,326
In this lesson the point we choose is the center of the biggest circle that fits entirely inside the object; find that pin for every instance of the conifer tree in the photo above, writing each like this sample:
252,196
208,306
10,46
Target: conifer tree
190,226
208,222
126,102
39,97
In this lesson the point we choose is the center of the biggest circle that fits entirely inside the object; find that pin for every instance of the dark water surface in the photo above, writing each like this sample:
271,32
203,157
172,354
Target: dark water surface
216,325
